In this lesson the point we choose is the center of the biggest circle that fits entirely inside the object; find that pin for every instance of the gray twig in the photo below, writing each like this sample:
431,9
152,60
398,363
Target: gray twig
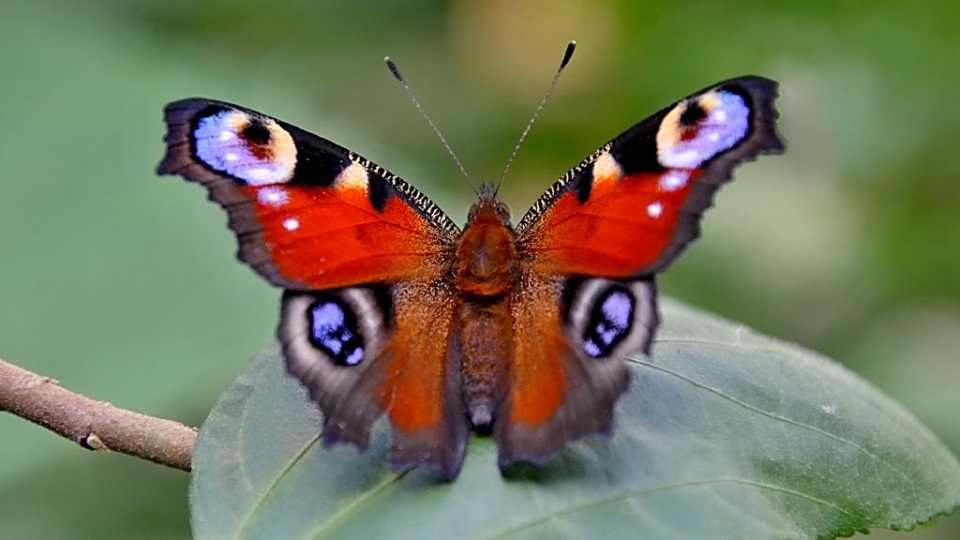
94,425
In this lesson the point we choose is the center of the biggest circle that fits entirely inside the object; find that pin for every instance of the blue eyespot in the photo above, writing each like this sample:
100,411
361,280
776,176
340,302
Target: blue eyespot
255,150
698,130
610,322
333,329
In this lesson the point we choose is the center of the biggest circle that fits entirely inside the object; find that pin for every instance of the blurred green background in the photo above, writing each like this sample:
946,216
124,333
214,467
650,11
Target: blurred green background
124,286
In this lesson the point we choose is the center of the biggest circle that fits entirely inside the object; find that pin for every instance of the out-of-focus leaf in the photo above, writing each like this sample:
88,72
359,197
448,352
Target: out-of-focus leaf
724,434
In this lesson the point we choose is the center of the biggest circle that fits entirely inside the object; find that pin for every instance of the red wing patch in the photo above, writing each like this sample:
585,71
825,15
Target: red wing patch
624,226
323,238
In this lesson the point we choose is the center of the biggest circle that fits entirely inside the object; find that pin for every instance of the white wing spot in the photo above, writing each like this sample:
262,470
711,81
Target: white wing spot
654,210
291,224
674,180
226,135
230,156
272,196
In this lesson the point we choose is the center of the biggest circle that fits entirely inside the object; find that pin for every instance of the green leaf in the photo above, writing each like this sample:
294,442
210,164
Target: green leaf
724,434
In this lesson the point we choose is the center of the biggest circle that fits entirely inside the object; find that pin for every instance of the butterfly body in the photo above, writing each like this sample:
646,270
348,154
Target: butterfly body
485,275
392,310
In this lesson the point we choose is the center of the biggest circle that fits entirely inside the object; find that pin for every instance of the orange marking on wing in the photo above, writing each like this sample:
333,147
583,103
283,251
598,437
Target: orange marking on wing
353,177
537,388
413,402
413,392
606,171
623,227
538,381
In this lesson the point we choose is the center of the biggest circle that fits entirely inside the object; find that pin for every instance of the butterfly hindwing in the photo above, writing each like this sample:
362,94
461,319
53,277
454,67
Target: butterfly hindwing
361,357
568,369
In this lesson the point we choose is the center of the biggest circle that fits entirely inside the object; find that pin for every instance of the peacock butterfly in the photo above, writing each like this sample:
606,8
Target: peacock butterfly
390,308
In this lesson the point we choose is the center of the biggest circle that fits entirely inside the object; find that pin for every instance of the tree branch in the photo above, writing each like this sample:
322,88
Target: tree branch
94,425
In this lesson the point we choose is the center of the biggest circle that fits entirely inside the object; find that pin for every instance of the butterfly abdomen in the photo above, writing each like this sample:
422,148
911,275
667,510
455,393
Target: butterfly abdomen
486,347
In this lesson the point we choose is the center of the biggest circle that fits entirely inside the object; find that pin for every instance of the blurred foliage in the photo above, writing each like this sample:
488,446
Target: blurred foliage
122,285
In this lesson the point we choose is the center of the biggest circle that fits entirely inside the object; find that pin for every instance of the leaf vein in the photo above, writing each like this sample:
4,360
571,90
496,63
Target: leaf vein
642,492
271,488
352,506
769,414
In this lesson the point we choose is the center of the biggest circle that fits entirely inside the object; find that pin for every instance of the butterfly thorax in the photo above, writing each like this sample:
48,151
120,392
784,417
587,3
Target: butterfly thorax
486,263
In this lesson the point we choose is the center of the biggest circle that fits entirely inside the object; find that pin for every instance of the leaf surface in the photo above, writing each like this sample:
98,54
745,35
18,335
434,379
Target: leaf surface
724,433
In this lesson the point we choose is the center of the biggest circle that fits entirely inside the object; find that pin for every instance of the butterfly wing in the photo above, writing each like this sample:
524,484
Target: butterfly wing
365,351
591,246
361,252
308,213
633,206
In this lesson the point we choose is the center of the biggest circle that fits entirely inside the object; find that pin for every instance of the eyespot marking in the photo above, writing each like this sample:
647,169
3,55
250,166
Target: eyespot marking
333,329
253,149
699,129
610,322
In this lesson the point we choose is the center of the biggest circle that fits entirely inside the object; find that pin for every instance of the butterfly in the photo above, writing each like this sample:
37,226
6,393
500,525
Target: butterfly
389,308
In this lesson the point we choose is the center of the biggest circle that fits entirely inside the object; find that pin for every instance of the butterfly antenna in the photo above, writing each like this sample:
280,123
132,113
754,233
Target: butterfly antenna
396,73
563,63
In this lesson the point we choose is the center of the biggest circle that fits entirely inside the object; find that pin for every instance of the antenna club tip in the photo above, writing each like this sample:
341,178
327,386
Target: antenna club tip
393,68
572,46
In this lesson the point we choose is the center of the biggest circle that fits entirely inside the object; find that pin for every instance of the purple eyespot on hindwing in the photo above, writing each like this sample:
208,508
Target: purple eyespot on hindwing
334,331
609,324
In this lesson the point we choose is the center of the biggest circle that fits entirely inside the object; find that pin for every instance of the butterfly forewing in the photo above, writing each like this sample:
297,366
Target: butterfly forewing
308,213
633,206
